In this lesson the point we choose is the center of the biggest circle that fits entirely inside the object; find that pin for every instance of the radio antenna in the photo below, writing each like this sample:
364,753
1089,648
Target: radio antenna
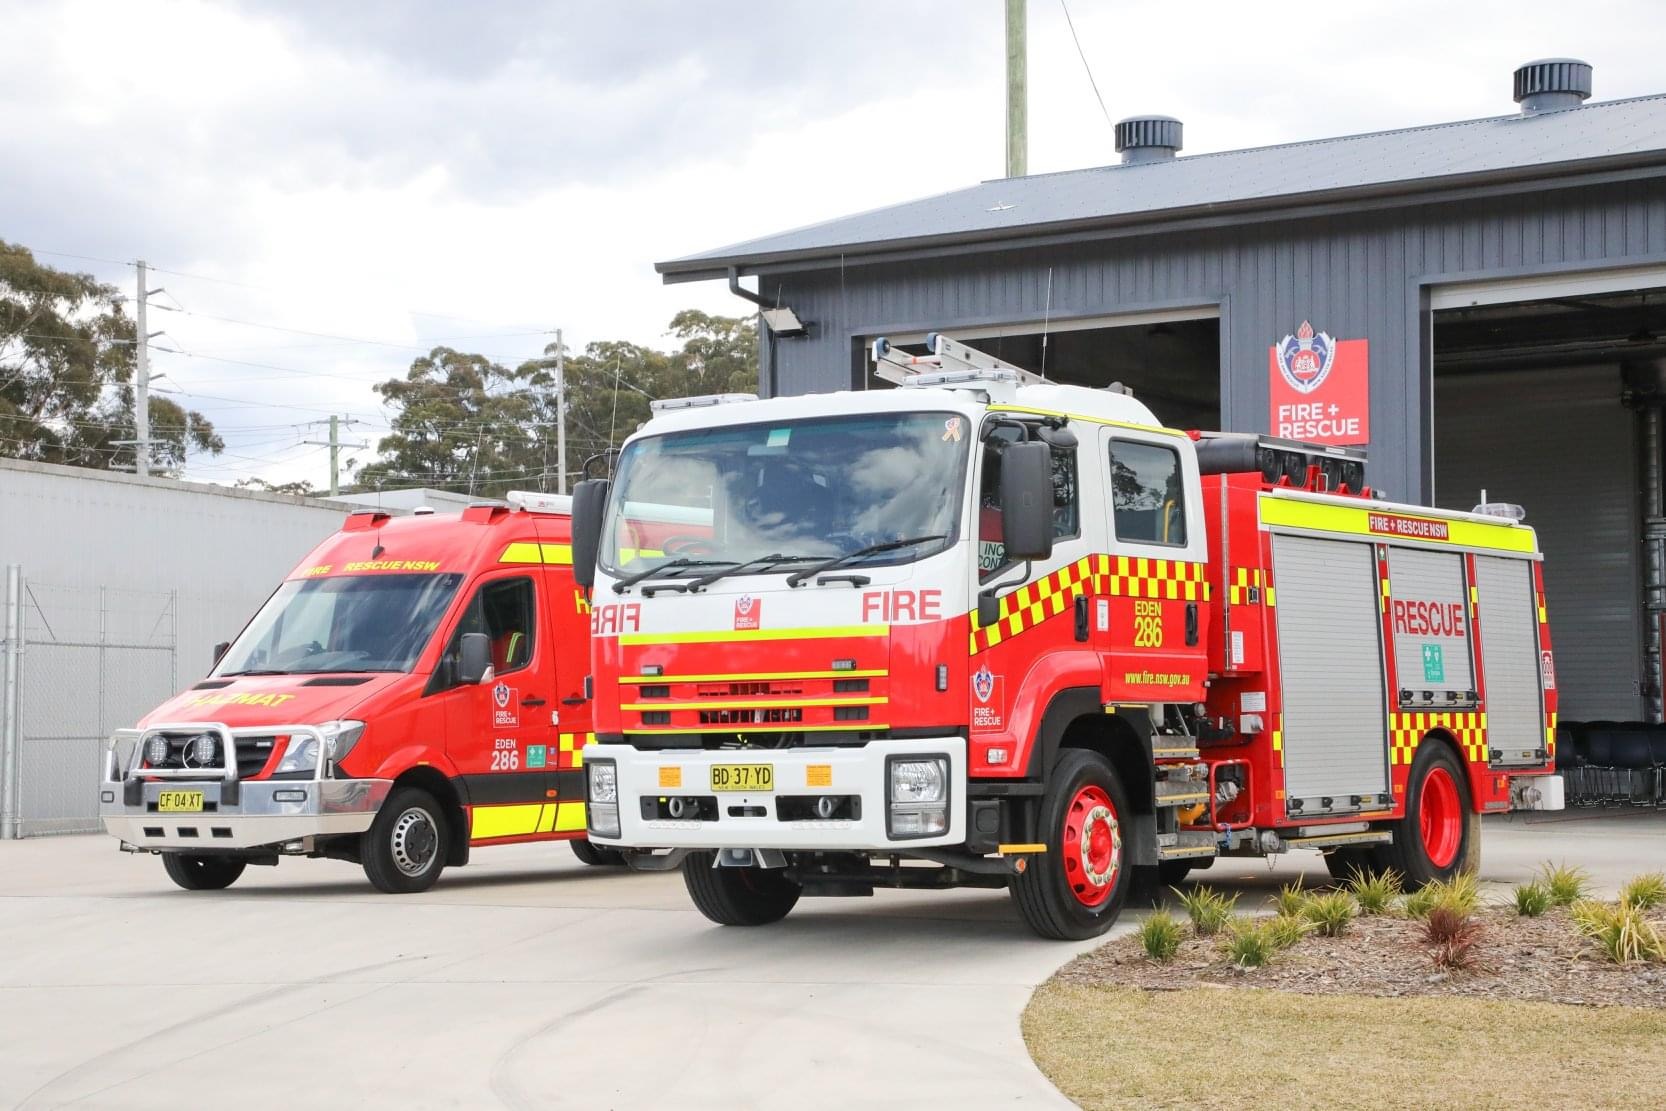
1046,320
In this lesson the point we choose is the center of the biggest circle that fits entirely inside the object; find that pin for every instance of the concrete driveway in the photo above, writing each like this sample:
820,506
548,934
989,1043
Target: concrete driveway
527,980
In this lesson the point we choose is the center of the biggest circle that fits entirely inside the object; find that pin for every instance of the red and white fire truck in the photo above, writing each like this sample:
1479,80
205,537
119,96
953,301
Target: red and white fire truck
415,688
989,630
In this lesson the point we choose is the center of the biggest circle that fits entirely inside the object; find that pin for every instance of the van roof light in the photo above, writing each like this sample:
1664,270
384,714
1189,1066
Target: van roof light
535,501
671,404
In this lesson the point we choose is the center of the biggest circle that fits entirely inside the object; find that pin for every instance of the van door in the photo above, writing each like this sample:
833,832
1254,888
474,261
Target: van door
566,625
499,732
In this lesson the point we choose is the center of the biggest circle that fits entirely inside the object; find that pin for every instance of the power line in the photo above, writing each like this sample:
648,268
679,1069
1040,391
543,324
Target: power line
1083,55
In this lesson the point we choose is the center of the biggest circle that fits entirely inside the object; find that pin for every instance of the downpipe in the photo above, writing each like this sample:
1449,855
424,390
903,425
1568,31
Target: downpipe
1645,391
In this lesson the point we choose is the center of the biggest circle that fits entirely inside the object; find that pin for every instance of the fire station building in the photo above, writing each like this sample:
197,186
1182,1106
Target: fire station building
1481,304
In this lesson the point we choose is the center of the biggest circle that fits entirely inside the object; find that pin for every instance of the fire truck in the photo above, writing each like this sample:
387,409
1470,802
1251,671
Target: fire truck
414,689
989,630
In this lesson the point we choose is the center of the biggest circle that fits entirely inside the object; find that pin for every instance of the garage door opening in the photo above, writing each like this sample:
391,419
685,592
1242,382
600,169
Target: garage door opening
1554,404
1172,365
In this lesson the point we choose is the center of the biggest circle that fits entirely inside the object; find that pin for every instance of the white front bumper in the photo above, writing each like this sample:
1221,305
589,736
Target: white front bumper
834,771
267,813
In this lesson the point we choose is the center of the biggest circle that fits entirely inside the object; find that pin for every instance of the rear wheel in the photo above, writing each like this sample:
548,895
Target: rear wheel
1440,835
203,873
749,896
595,855
404,848
1077,887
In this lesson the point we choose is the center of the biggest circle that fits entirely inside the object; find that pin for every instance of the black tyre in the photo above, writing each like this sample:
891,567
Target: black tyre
1440,835
1173,873
596,856
404,848
203,873
1077,887
1344,863
738,896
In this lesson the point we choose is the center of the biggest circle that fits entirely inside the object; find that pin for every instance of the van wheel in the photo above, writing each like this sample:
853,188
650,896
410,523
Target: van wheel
1076,888
749,896
203,873
404,848
1440,835
595,855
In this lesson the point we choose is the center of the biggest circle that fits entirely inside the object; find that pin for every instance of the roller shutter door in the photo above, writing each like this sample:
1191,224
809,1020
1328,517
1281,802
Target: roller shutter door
1331,668
1510,659
1430,623
1559,443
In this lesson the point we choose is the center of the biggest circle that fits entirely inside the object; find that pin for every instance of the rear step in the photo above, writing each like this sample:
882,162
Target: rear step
1337,840
1166,747
1187,845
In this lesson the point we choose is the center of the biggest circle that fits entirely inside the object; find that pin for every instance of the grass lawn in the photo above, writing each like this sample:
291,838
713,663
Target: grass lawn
1106,1046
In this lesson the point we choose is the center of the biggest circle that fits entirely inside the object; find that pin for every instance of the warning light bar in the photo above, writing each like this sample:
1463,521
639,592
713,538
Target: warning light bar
1289,463
671,404
534,501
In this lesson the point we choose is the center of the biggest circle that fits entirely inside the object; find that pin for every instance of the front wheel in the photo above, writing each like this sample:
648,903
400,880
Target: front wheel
203,873
749,896
596,856
1440,835
1076,888
404,848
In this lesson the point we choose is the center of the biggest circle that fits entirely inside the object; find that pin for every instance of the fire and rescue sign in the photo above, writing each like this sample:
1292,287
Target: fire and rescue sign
1320,388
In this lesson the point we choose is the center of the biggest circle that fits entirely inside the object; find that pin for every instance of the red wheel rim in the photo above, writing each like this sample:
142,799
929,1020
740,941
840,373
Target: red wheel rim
1440,817
1092,846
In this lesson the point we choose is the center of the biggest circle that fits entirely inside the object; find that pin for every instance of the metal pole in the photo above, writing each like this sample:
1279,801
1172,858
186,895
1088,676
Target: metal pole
335,456
141,383
560,414
11,674
1018,113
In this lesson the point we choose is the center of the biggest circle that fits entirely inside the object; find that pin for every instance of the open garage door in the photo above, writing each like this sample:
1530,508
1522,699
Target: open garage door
1171,360
1534,403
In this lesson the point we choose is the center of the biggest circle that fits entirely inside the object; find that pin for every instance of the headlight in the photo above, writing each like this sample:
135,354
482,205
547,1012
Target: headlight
917,797
302,754
919,780
604,782
156,751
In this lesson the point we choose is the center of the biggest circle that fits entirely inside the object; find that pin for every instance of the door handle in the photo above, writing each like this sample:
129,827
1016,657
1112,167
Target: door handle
1191,624
572,701
1081,617
532,700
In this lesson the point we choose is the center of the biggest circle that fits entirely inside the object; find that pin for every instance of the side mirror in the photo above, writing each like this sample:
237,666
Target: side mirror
474,657
1027,500
220,651
589,507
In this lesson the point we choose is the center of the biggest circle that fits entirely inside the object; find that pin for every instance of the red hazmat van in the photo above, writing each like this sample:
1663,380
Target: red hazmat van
414,689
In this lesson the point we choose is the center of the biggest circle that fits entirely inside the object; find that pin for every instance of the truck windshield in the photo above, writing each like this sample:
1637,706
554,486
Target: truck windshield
785,493
348,623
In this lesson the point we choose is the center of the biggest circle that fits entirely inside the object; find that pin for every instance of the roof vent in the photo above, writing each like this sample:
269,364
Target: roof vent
1551,84
1147,139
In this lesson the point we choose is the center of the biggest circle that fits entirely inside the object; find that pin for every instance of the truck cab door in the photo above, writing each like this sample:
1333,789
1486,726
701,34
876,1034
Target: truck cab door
1153,602
499,732
565,618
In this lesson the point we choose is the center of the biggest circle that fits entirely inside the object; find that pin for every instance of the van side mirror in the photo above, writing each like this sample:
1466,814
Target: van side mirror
474,656
589,507
1027,500
220,651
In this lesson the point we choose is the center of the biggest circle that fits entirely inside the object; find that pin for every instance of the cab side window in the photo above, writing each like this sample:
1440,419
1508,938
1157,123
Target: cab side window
1066,506
1148,493
504,610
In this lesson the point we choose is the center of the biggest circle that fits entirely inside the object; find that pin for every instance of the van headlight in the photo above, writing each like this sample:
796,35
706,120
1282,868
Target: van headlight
302,754
916,796
602,777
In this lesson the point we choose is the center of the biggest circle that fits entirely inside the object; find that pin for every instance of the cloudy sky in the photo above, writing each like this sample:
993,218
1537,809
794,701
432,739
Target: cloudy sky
331,188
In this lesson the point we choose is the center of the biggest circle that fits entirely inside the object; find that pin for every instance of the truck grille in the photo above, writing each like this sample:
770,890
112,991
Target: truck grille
774,715
184,751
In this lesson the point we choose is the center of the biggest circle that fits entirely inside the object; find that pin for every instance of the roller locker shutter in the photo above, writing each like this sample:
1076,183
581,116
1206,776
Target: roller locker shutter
1510,659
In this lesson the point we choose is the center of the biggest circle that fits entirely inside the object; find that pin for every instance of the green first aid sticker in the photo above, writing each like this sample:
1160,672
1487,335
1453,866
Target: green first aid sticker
534,756
1434,666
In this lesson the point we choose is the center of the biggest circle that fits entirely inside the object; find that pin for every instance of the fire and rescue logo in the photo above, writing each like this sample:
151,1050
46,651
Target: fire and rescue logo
506,708
500,695
983,683
1305,359
748,612
988,713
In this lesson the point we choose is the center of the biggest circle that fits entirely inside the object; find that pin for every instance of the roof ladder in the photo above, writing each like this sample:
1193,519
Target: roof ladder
948,364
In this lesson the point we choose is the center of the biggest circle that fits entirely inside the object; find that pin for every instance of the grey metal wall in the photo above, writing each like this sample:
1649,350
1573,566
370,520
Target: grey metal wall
1352,275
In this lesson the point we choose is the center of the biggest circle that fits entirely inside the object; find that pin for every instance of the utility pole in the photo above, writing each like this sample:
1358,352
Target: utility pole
141,385
560,414
335,445
1018,112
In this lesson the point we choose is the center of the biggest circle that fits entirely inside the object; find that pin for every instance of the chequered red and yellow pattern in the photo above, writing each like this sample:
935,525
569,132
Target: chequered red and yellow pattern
1100,575
1406,730
570,750
1244,579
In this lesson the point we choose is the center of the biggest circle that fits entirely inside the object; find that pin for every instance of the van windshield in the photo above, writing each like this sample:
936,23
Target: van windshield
348,623
776,495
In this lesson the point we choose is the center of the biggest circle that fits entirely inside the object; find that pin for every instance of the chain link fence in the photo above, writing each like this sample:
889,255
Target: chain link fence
76,664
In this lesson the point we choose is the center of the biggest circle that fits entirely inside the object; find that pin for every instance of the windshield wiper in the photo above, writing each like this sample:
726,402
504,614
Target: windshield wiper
255,671
621,585
798,577
762,563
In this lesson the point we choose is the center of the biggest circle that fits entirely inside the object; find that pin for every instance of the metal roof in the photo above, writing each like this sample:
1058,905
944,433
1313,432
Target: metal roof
1615,134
